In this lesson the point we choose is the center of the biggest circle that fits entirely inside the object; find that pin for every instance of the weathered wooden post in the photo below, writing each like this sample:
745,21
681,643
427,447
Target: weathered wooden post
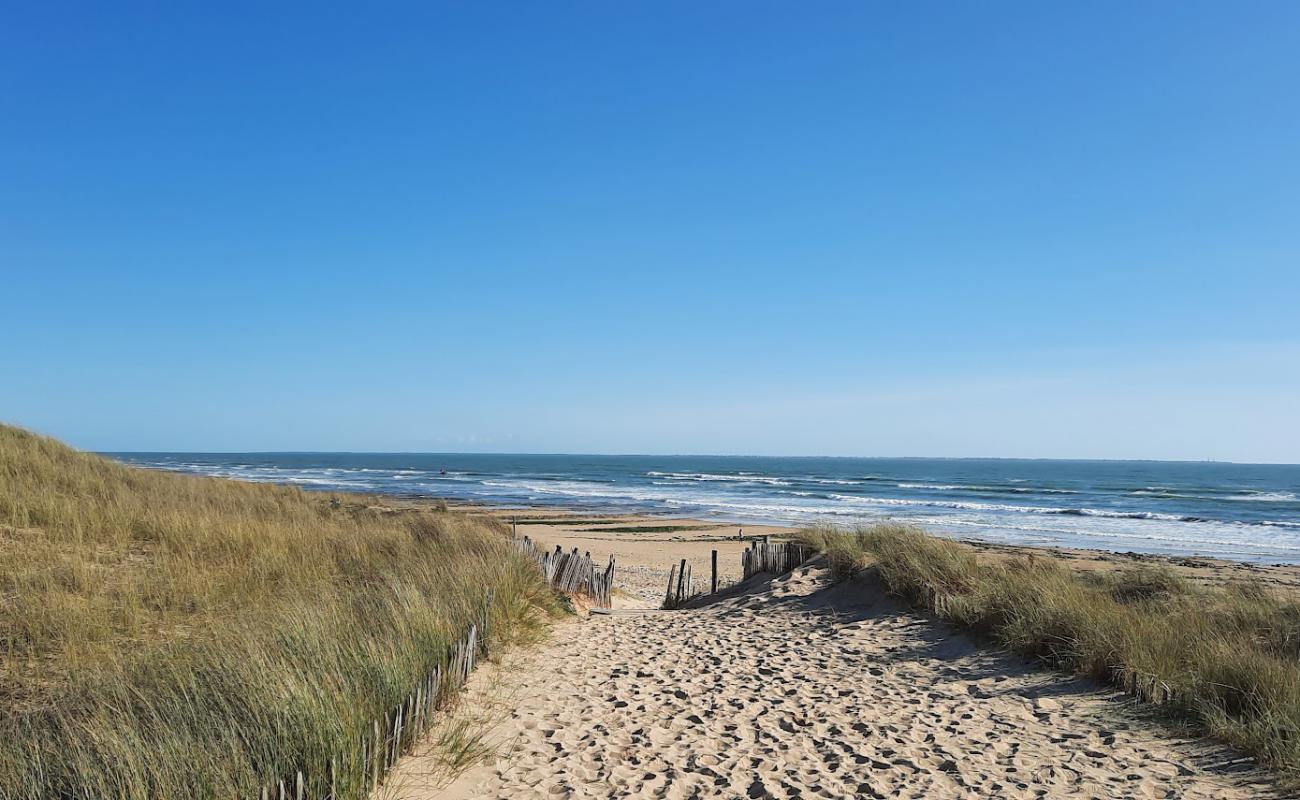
713,580
374,759
681,580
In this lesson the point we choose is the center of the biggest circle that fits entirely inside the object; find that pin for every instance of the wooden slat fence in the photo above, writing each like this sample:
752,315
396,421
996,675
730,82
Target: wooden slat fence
1144,686
776,558
572,572
681,587
358,774
773,558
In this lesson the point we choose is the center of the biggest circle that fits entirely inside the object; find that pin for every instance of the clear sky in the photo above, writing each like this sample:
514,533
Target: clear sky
841,228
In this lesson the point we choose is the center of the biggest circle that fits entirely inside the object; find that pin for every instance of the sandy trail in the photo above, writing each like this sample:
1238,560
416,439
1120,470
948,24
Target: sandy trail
804,689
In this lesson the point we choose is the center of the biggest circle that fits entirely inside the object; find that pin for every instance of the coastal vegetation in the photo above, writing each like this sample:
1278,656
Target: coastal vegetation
168,636
1225,658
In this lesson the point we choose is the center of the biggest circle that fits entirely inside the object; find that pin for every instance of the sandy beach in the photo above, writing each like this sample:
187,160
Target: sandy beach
798,687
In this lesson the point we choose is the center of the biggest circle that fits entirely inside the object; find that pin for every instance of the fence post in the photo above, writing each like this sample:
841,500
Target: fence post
374,759
713,580
681,580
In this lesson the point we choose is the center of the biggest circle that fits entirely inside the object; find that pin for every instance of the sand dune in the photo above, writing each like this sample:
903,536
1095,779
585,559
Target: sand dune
800,688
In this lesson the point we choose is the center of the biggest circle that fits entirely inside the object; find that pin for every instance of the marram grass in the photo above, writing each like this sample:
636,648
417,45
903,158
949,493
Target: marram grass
1230,655
166,636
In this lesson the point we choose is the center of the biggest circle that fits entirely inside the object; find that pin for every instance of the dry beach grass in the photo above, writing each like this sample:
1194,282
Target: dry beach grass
165,636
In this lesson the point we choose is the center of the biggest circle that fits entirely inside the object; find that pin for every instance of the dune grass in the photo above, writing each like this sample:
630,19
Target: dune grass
1230,654
166,636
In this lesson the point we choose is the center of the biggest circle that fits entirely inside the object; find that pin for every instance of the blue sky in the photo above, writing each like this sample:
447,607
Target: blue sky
995,229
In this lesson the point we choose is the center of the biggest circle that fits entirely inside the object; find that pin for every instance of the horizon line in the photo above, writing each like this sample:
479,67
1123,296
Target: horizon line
697,455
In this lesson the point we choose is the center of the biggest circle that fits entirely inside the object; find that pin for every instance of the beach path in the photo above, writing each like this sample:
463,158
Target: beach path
803,688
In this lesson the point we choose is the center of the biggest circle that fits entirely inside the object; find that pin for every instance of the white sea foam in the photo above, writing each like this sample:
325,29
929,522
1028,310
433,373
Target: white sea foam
938,486
1243,497
1005,507
1264,497
974,487
584,489
709,476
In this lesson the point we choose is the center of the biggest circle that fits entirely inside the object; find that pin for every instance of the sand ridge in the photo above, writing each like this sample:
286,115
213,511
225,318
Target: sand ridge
798,688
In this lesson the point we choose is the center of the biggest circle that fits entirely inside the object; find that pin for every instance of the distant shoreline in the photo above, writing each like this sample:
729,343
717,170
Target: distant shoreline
695,537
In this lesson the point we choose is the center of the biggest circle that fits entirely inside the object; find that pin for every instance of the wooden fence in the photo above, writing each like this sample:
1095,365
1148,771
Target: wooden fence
573,573
775,558
680,586
359,773
1143,686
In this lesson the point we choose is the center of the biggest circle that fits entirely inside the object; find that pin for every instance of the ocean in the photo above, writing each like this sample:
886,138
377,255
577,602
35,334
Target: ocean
1247,512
